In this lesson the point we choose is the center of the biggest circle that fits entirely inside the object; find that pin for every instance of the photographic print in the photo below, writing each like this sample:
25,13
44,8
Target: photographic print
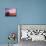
10,12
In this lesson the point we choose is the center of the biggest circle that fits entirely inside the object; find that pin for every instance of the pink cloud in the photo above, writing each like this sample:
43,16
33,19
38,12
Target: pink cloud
12,11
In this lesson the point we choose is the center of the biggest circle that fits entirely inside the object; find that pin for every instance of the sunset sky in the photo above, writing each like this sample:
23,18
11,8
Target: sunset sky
12,10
